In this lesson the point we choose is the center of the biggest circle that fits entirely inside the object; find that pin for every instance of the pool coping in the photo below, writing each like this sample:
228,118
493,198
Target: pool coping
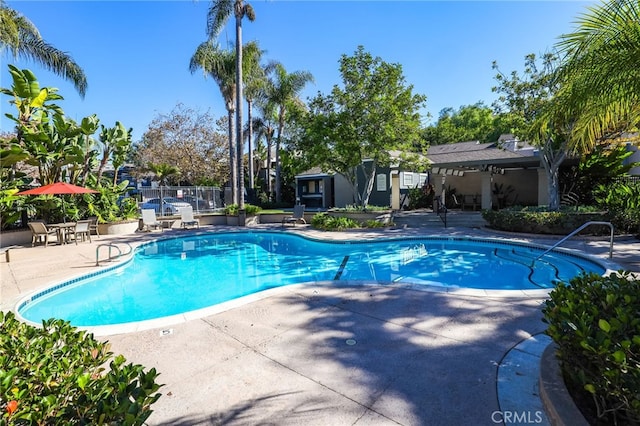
168,321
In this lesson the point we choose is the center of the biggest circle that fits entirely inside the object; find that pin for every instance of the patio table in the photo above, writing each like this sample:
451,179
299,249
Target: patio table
63,230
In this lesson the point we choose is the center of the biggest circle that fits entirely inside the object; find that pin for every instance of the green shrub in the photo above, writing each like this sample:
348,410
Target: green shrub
373,223
421,197
356,208
327,222
58,375
623,202
250,209
538,221
595,322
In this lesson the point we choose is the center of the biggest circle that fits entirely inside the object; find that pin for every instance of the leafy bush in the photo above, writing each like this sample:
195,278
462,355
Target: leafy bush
57,375
595,323
623,202
538,221
110,203
250,209
373,223
421,197
327,222
356,208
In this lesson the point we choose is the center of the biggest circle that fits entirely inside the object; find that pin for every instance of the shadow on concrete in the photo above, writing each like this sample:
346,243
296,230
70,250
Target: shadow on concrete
404,356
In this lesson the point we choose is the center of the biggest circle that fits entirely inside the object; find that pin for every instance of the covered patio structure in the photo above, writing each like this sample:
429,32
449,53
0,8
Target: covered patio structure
484,175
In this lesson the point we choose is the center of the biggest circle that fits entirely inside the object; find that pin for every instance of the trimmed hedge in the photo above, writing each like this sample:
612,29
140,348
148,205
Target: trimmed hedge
595,322
545,222
58,375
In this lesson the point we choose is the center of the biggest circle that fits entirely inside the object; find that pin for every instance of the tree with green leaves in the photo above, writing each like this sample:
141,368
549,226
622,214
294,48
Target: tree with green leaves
52,141
217,17
189,139
356,127
265,128
282,92
475,122
88,126
255,81
220,65
20,37
163,172
600,76
33,103
116,146
544,119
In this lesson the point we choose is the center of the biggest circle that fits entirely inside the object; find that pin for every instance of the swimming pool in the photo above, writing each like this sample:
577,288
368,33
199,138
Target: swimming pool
177,275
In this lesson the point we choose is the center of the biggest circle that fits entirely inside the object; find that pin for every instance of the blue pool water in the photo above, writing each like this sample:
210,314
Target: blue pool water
179,275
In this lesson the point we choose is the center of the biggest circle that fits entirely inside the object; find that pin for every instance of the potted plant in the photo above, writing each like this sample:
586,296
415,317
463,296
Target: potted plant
251,216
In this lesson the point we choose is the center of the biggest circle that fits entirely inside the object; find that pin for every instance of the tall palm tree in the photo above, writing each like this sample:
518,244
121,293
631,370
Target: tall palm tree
282,91
220,65
20,37
601,72
254,82
217,17
265,127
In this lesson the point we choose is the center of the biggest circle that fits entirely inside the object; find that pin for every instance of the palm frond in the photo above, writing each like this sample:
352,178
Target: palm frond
217,16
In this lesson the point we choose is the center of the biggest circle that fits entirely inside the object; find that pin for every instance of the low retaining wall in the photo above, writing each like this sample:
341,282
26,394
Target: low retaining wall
20,237
557,402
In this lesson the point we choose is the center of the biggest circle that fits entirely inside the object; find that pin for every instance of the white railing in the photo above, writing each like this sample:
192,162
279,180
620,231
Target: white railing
110,246
575,232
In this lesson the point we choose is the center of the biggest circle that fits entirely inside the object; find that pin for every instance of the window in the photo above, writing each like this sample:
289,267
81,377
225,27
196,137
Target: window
407,180
381,182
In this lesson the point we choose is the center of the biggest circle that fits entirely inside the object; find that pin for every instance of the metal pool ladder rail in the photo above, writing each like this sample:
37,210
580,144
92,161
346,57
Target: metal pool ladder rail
575,232
110,245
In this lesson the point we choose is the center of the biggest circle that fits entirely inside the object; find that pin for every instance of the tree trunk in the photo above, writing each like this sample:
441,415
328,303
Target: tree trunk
278,166
250,148
268,168
368,183
232,155
239,139
551,160
278,171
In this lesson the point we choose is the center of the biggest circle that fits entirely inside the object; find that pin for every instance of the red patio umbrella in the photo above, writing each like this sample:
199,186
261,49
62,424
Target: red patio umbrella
58,188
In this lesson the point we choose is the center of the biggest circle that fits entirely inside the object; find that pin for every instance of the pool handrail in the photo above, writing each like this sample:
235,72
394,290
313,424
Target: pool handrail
574,232
440,209
111,245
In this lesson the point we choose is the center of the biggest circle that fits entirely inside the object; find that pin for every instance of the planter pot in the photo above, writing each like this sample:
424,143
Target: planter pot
249,220
212,219
118,228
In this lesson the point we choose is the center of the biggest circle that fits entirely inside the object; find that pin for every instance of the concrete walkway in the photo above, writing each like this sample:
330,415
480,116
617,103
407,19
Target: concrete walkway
321,354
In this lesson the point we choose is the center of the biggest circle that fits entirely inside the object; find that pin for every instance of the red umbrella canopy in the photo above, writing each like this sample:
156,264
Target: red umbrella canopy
58,188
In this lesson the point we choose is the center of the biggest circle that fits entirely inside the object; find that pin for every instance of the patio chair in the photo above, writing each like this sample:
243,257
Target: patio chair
298,216
93,225
40,233
187,219
149,220
80,231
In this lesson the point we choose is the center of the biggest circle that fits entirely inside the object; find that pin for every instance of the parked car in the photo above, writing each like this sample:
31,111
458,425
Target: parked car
198,203
171,205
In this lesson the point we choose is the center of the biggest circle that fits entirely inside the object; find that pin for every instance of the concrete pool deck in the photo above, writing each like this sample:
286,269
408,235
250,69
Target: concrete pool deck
334,355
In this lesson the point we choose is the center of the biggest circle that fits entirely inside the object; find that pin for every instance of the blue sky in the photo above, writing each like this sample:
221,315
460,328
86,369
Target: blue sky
136,53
